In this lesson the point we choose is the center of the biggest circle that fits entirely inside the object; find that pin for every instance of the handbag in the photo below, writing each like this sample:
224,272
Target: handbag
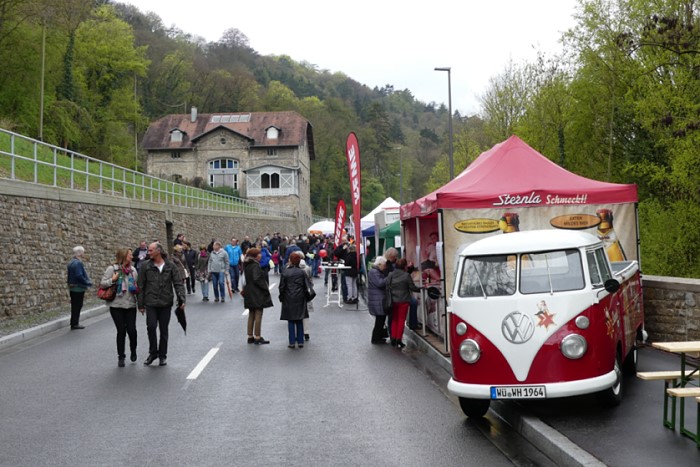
387,302
107,294
310,292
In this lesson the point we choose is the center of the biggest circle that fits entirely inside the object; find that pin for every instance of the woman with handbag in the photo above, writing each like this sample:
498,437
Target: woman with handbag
256,294
294,286
122,307
400,284
376,290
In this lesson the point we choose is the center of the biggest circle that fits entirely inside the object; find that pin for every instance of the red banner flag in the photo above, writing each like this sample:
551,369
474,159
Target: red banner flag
339,222
352,149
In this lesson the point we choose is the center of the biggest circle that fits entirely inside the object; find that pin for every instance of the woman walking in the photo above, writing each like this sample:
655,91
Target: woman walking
256,295
376,289
400,285
218,271
78,283
293,284
123,306
202,272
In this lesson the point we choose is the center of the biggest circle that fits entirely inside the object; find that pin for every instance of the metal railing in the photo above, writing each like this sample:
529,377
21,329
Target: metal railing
30,160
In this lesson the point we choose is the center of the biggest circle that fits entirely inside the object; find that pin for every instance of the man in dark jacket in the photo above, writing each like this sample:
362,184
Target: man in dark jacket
158,277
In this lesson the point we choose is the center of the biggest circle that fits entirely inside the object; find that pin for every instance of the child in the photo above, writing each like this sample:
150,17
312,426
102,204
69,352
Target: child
276,261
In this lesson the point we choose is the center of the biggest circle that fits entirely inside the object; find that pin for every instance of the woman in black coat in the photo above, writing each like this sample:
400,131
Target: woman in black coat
293,284
256,294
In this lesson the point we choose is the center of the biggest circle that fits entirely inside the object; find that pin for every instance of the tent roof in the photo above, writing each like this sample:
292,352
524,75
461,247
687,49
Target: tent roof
388,204
391,230
512,174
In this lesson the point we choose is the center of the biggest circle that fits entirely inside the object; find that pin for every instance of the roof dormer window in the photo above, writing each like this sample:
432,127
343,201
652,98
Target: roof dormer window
176,136
272,132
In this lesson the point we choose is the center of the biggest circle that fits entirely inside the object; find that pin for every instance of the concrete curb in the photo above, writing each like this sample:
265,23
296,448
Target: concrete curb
546,439
43,329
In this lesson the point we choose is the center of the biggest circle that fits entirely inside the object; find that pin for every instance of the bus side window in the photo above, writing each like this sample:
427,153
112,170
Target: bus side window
596,281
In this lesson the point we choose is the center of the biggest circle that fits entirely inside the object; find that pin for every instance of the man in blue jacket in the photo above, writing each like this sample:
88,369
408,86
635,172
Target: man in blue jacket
234,258
78,283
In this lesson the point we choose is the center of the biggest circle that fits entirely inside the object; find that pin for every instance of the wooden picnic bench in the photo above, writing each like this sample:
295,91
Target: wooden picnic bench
676,385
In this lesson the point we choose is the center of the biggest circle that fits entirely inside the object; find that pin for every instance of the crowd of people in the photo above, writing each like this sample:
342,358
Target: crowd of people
151,281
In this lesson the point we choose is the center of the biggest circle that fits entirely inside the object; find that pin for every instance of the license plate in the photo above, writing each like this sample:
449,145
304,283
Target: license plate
518,392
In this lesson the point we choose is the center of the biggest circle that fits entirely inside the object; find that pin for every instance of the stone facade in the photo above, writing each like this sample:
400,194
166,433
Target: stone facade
270,153
43,224
672,308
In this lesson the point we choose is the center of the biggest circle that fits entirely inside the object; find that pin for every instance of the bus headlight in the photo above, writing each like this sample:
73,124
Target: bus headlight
574,346
469,351
461,329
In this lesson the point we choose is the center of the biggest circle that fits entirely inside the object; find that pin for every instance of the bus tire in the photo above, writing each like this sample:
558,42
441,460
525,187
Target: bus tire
612,396
474,408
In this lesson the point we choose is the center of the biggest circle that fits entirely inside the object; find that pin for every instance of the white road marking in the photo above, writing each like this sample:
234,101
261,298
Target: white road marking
204,362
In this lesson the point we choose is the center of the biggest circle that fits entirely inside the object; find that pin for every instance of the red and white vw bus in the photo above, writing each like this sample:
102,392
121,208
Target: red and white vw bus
542,314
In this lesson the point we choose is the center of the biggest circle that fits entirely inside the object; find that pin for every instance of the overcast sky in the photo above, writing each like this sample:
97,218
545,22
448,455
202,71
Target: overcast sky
384,42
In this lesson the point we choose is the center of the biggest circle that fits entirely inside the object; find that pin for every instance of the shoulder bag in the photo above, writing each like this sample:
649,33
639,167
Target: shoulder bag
108,293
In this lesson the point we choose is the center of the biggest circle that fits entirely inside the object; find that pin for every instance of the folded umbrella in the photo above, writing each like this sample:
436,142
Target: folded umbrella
181,318
228,286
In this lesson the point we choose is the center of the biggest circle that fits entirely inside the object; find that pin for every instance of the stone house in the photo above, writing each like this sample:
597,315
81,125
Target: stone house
264,155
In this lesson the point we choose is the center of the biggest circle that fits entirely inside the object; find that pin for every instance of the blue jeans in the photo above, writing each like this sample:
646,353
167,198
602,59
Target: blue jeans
205,289
218,281
233,270
296,332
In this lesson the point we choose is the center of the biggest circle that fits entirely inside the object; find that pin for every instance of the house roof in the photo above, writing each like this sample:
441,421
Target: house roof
294,129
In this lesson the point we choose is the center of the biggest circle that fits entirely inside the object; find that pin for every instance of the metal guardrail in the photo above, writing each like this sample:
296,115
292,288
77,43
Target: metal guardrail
30,160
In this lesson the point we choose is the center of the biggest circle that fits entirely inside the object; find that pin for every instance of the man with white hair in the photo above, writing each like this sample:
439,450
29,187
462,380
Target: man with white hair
78,283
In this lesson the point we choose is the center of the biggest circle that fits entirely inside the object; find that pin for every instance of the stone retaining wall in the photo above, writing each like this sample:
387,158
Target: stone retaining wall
41,225
672,308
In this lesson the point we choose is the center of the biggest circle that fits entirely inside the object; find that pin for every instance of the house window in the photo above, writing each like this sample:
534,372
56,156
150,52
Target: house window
271,181
273,133
223,172
272,151
176,136
175,154
268,181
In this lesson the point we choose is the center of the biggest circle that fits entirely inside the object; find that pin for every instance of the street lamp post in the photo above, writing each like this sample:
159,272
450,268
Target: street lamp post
449,108
398,148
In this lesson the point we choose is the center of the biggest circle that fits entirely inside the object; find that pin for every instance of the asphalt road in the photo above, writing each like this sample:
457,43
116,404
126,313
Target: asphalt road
338,401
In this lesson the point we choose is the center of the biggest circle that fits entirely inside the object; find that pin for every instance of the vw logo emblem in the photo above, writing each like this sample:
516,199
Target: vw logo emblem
517,327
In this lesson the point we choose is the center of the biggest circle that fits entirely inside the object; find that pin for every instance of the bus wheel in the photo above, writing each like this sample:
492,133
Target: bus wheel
613,396
474,407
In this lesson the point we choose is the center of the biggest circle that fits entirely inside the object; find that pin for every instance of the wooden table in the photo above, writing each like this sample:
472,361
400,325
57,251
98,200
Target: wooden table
685,349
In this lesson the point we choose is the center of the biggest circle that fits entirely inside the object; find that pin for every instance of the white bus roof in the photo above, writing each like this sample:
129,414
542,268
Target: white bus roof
530,241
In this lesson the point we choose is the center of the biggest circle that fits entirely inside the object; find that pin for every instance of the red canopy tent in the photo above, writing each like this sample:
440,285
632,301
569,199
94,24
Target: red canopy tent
510,187
513,174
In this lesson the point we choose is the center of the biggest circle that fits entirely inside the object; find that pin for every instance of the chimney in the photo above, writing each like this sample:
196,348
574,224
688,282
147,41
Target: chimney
194,114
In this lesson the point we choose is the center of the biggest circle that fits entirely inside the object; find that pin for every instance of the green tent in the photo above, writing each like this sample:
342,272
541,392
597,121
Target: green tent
388,234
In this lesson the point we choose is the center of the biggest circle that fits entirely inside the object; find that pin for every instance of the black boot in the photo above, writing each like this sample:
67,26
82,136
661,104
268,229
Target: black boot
393,342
